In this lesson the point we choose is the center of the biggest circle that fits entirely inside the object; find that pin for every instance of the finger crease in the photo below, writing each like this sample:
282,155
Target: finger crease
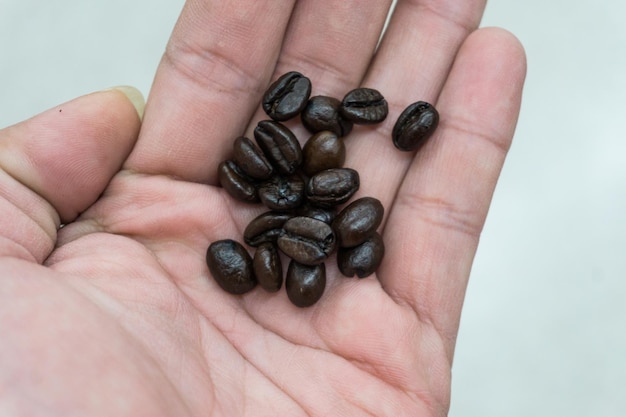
466,129
327,68
433,7
442,213
211,68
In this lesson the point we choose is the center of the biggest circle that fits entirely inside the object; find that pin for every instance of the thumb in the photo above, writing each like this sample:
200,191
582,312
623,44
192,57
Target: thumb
56,164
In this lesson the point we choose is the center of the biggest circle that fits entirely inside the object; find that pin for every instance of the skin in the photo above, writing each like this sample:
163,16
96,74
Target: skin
116,314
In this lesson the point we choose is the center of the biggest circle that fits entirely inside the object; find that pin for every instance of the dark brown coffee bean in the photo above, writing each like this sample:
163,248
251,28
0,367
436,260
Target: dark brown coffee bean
268,267
279,145
236,183
332,187
414,126
231,266
266,227
323,150
364,106
306,240
358,221
362,260
251,160
287,96
282,193
327,215
305,284
322,113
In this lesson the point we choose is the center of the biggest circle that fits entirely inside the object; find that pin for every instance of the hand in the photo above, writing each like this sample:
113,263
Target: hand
115,313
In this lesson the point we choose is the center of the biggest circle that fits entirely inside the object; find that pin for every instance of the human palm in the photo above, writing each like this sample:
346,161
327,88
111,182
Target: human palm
115,313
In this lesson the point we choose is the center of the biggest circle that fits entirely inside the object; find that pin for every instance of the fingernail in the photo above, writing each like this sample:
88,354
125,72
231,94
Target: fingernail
135,97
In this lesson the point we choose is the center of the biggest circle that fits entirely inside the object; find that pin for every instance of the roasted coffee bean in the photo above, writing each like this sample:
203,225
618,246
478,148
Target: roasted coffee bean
414,126
268,267
266,227
279,145
332,187
305,284
287,96
231,266
327,215
307,240
236,183
364,106
322,113
251,160
358,221
362,260
323,150
282,193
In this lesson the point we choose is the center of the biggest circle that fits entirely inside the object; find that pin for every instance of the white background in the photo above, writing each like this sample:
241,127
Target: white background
542,332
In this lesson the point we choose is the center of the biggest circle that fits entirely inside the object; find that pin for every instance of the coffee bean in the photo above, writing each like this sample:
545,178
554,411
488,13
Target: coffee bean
305,284
282,193
332,187
358,221
251,160
287,96
414,126
323,150
364,106
266,227
279,145
231,266
322,113
236,183
327,215
362,260
267,267
308,241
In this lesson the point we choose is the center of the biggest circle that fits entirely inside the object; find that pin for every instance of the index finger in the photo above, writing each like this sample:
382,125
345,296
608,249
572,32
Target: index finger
219,59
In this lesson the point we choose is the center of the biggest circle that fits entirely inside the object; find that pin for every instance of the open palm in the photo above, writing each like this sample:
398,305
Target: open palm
115,313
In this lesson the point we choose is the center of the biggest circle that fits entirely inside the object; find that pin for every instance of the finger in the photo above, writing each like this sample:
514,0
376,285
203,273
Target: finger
434,225
412,63
56,164
218,61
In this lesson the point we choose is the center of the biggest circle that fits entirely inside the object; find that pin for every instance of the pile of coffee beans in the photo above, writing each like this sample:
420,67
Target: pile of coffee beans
304,187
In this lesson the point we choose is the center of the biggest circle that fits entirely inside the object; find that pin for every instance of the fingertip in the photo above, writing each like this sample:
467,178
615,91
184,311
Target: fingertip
505,44
133,95
484,87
